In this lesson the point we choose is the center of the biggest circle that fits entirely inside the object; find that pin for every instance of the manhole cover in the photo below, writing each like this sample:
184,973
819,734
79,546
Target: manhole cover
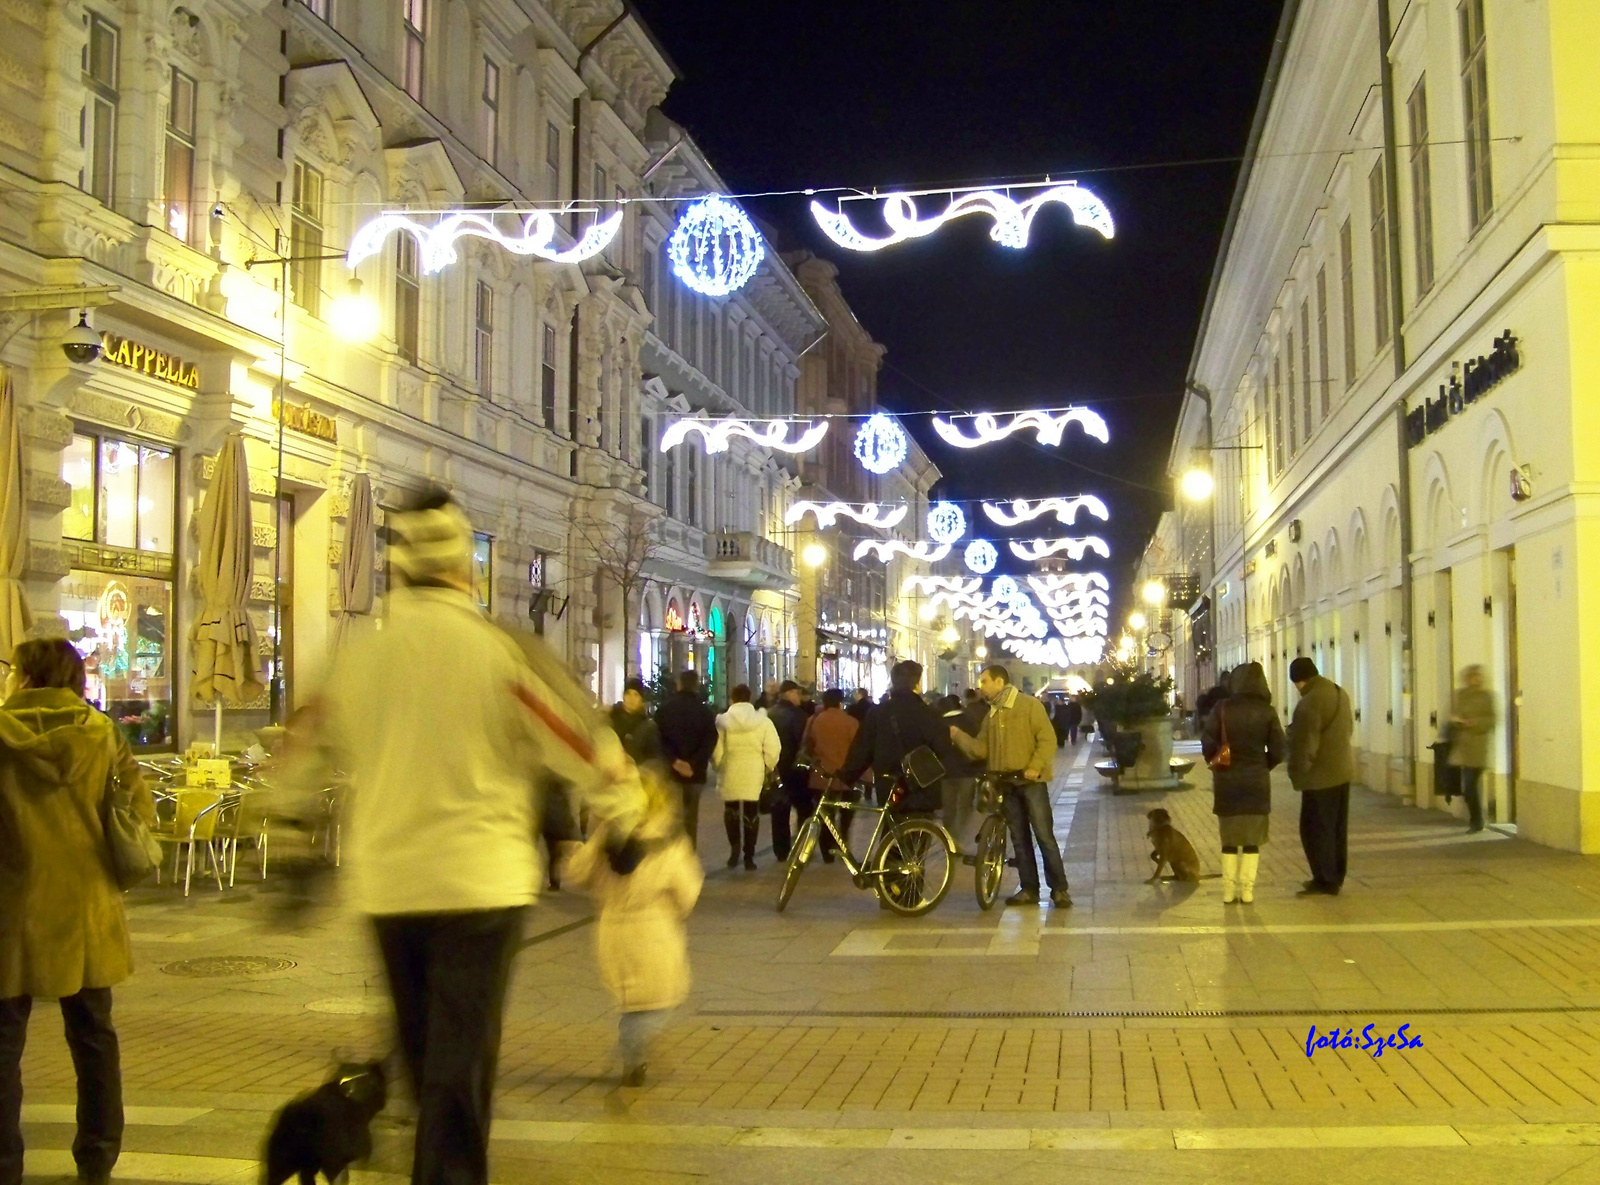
224,966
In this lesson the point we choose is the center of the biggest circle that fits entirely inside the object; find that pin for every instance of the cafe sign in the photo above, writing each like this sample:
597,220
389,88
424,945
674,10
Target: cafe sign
132,355
307,422
1468,384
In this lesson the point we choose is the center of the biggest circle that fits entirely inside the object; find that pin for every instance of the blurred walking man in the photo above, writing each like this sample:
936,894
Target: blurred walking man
445,728
1321,766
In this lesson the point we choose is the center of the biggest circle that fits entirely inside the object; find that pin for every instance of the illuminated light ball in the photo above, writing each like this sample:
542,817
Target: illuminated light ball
927,612
980,556
1005,588
814,555
1197,485
881,444
946,523
715,248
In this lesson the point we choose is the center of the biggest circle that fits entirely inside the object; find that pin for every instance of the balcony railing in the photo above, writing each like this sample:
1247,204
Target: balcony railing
750,559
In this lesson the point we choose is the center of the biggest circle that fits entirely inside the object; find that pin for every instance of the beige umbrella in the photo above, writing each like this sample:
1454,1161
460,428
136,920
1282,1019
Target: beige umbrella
15,616
355,558
224,640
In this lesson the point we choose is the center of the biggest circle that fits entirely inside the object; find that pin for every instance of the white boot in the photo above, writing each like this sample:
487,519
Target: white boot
1230,877
1248,863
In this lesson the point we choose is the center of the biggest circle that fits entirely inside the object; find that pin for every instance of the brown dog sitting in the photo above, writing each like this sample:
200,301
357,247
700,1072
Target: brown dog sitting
1172,849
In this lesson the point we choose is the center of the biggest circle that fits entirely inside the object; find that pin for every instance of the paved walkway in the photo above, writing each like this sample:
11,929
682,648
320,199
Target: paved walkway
1150,1033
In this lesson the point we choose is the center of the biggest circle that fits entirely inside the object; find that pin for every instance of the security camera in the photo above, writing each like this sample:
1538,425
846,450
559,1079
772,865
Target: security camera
80,343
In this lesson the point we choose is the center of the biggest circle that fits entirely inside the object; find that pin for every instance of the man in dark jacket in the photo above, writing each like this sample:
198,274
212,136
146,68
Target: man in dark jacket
1074,714
688,738
1321,767
901,723
860,705
630,720
790,722
960,780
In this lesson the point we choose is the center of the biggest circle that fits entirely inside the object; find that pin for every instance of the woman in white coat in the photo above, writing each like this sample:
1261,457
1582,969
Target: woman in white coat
747,748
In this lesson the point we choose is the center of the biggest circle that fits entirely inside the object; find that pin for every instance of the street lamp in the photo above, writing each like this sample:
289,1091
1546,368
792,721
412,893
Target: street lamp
814,555
949,635
1136,620
1197,485
1154,592
926,611
352,316
981,651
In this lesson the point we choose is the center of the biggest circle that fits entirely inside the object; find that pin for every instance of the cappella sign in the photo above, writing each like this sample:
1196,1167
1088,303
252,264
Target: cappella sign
120,351
1468,383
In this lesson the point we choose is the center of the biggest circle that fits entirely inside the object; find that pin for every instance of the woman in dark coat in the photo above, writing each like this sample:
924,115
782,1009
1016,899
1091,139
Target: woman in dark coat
1248,725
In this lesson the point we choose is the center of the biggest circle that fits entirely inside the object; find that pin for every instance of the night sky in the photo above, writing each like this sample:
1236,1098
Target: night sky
1126,98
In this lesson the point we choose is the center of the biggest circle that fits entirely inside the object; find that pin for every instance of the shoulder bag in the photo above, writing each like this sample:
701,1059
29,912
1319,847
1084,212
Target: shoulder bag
135,854
1223,757
921,765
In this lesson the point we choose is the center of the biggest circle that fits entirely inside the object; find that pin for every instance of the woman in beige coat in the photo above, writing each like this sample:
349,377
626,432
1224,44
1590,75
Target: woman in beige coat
641,943
62,929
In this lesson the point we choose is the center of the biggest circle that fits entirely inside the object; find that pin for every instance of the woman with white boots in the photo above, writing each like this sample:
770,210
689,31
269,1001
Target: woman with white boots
1242,740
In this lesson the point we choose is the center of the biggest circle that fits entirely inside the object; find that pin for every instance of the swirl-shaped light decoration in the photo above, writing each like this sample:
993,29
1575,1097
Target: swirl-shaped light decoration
868,514
881,444
1050,427
922,551
1040,549
1080,627
715,248
940,584
716,434
1055,581
1065,509
980,557
1057,652
946,523
436,244
1012,219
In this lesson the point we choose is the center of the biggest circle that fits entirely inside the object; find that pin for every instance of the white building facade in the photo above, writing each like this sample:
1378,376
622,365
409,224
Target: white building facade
1393,387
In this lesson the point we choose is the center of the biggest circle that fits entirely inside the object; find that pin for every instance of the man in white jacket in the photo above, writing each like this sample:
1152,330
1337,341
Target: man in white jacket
445,727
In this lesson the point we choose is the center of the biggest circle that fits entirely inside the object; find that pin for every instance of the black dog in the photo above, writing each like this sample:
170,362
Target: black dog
325,1130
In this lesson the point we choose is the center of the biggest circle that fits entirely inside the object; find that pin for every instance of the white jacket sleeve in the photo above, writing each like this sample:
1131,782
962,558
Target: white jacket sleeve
771,746
721,750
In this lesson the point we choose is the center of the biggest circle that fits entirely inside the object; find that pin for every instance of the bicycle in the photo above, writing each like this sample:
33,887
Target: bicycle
989,859
907,862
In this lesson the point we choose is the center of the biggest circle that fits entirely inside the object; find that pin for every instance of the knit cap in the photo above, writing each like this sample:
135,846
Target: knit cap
428,544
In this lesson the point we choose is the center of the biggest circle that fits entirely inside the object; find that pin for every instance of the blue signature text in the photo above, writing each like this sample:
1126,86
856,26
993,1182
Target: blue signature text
1369,1040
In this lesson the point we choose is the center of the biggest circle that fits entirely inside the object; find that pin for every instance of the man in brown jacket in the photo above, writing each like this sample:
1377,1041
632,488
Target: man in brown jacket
1321,767
1017,737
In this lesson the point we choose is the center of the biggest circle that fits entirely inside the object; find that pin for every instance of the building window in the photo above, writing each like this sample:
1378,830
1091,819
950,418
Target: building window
552,160
547,378
1277,415
1323,381
177,184
669,484
1290,403
407,297
305,239
647,448
647,278
491,112
1421,185
1347,300
483,340
1305,363
412,22
693,501
1377,196
1475,106
483,570
117,604
97,123
601,183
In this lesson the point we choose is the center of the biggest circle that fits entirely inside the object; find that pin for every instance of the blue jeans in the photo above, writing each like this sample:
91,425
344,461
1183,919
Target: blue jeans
1029,819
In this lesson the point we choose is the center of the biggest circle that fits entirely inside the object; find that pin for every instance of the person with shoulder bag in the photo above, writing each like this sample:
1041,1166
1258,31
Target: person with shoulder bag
1242,740
746,756
68,781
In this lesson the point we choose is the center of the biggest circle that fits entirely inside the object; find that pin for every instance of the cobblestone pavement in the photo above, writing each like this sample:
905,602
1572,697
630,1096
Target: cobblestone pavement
1150,1033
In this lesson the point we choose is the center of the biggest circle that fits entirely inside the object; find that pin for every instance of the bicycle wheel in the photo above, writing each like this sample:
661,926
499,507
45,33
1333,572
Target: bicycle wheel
914,867
804,844
990,864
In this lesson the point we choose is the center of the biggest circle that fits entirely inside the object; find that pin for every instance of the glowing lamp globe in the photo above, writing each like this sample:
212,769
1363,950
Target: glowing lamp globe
813,555
715,249
881,444
946,523
949,635
981,651
352,316
1154,592
927,611
980,556
1137,620
1197,485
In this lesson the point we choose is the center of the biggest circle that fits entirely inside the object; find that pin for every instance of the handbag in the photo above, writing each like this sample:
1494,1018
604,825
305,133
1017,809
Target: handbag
1223,757
135,853
921,765
771,788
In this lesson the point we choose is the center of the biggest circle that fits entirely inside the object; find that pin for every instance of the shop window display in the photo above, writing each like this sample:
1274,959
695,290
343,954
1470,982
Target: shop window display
121,624
483,570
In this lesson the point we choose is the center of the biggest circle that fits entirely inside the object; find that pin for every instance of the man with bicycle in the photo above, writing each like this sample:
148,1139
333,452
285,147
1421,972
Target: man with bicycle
1016,736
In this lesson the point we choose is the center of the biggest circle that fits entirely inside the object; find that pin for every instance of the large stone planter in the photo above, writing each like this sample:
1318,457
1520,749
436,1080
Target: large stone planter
1153,768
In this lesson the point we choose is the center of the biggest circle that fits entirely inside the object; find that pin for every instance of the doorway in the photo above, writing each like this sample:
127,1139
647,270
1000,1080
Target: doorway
1505,808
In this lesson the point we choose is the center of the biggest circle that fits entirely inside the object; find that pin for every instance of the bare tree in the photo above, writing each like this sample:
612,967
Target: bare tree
621,546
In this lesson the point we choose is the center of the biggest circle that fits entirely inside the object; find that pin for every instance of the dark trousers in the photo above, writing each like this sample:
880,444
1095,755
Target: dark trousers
742,821
793,794
1472,791
1325,833
98,1061
448,974
1028,817
691,812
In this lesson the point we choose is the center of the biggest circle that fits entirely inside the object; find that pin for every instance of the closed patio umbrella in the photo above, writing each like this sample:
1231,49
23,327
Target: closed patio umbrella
355,558
15,616
223,638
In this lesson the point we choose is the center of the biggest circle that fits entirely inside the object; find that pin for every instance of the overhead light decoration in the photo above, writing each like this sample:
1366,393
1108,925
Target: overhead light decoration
1050,427
946,523
1057,652
1005,588
1012,219
869,514
1065,509
881,444
436,244
716,434
1052,581
980,557
923,551
715,248
931,584
1040,549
